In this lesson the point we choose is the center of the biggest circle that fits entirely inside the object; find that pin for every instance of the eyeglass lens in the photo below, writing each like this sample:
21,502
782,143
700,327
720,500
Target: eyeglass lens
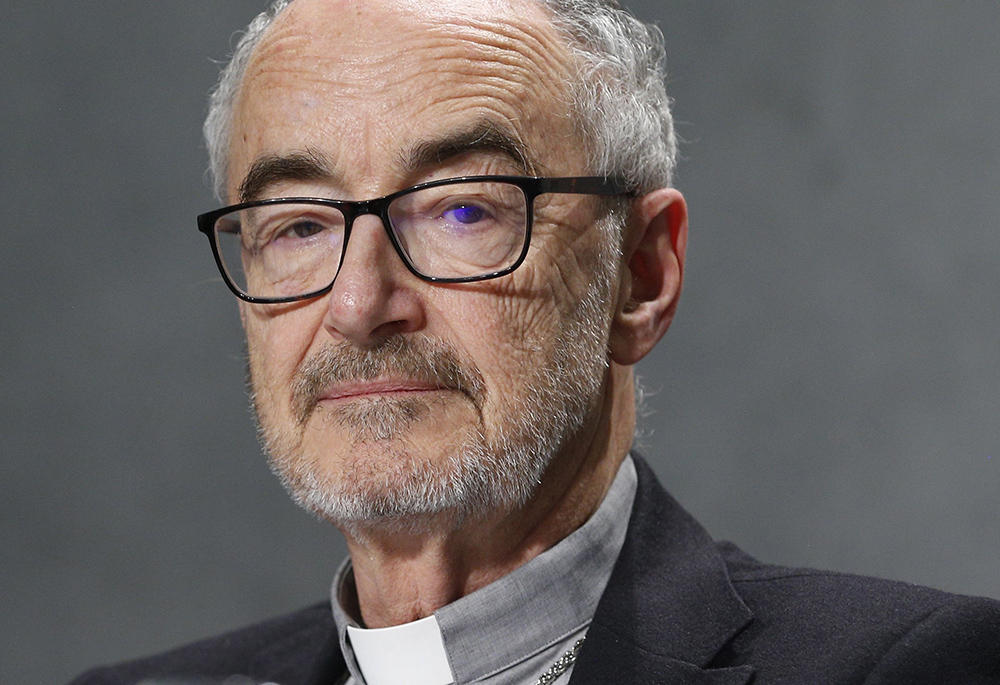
453,231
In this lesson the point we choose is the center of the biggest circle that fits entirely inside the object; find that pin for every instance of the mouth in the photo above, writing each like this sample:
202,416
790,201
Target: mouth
359,390
400,370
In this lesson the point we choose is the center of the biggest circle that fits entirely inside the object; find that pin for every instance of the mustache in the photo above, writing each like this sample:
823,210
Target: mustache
418,358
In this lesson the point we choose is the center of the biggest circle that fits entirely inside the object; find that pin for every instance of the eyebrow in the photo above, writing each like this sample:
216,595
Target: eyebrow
484,137
306,165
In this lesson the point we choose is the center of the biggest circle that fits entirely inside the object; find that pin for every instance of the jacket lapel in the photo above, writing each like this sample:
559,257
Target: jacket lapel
669,607
309,656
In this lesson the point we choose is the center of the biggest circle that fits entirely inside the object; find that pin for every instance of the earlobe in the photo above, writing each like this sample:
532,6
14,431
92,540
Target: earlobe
653,253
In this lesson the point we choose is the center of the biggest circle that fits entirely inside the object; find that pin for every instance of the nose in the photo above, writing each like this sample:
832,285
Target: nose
374,295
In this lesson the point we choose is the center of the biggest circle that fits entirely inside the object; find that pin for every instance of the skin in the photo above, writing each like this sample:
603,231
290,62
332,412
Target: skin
361,84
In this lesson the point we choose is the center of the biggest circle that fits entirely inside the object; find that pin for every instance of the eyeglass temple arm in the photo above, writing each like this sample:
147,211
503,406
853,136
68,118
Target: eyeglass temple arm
585,185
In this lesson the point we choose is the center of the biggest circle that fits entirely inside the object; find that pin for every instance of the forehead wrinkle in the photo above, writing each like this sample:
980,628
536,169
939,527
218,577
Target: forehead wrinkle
512,66
531,45
516,49
520,60
501,93
461,67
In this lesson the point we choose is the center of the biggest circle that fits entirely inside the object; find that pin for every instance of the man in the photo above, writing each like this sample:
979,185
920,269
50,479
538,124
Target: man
452,231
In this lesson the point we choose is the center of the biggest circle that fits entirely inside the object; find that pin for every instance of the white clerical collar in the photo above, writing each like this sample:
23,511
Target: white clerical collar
411,653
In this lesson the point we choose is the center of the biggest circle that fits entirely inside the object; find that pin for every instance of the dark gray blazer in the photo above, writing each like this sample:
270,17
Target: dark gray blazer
679,608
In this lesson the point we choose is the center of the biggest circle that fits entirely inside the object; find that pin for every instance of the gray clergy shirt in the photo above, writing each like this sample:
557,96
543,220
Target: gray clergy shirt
513,630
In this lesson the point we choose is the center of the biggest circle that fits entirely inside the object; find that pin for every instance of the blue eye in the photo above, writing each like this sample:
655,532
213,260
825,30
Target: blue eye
465,214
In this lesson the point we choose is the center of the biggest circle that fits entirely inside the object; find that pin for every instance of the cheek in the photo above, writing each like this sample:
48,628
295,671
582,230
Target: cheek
544,296
276,345
527,310
507,328
528,315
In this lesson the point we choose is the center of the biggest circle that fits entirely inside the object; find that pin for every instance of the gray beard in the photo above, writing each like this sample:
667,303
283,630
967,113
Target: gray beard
486,474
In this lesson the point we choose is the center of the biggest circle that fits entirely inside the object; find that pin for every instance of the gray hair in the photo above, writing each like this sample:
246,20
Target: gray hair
618,94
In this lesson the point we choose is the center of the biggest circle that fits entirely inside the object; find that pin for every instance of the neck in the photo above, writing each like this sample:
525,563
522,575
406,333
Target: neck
403,577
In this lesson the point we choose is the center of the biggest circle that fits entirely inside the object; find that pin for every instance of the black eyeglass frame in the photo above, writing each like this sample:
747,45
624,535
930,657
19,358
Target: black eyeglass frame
531,186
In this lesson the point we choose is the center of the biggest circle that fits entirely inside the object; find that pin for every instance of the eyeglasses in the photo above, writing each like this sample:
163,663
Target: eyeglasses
454,230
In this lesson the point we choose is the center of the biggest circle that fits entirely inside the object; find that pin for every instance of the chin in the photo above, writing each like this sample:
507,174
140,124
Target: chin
393,486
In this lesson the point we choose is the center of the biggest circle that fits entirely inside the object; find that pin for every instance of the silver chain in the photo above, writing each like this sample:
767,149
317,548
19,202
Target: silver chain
561,664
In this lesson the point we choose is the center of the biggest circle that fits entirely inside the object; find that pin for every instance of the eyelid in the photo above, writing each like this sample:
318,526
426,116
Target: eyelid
283,216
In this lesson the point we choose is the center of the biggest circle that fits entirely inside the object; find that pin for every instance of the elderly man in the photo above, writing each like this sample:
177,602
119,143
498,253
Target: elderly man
452,231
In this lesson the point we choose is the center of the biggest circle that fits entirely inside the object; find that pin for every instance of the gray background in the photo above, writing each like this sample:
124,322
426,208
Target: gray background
828,395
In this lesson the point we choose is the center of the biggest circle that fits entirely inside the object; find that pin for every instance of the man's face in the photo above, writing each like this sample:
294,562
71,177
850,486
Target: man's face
390,397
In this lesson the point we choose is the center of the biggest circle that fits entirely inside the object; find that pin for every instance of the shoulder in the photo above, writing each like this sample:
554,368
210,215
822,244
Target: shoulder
888,631
265,650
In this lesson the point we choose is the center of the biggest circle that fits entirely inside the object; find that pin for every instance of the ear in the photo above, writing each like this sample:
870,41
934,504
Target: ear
653,249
